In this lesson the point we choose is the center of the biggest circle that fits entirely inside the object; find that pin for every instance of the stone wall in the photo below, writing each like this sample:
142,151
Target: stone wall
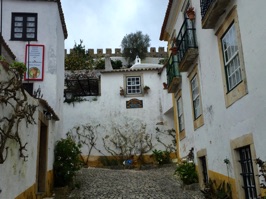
152,52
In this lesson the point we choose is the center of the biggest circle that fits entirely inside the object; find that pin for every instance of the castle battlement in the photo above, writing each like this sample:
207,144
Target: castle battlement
118,52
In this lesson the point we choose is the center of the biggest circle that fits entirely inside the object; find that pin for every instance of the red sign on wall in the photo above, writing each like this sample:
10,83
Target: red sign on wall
34,60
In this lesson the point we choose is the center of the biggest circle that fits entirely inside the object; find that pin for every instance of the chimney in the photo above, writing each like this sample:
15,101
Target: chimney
108,65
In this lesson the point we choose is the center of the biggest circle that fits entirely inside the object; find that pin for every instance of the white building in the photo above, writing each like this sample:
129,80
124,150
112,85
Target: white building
218,85
123,101
37,27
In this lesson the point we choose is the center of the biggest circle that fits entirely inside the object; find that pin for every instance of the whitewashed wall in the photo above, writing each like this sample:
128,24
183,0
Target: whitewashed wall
15,171
245,116
110,108
50,34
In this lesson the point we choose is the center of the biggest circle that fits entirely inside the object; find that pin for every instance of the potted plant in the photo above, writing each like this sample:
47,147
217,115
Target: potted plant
165,86
174,50
191,13
66,163
146,88
122,92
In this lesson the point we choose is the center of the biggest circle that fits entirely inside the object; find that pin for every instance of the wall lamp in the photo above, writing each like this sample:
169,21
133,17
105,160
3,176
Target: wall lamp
47,115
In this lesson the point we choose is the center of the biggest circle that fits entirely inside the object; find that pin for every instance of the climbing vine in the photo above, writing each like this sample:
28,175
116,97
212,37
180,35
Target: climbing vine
14,108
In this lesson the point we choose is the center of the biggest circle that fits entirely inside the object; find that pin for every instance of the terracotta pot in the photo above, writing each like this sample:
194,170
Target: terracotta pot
191,13
174,50
165,86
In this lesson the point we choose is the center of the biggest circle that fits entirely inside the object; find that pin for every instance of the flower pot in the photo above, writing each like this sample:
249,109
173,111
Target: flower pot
191,13
174,50
165,86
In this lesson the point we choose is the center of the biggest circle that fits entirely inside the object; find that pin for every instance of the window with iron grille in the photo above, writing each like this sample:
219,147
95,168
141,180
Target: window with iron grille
24,26
247,172
180,114
204,169
231,58
196,97
133,85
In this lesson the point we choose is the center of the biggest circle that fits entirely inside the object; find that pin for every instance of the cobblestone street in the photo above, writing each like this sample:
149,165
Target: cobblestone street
158,183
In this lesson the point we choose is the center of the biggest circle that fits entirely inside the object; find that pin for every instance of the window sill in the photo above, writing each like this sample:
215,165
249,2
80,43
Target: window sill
198,122
234,95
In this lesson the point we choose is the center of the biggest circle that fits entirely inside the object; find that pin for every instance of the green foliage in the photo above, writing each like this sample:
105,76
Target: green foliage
135,44
116,64
162,157
187,172
222,191
19,66
78,58
67,161
100,64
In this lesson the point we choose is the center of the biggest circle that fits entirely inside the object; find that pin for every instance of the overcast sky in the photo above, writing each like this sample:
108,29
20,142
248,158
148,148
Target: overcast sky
104,23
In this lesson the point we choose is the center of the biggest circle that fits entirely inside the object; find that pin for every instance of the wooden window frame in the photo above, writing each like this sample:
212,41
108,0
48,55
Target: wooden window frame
181,133
235,93
24,26
198,121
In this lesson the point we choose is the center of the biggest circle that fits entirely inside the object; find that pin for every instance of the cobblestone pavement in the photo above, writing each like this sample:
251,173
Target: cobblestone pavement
158,183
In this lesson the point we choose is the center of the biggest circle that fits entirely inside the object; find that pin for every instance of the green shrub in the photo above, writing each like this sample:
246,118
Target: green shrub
67,161
162,157
222,191
187,172
19,66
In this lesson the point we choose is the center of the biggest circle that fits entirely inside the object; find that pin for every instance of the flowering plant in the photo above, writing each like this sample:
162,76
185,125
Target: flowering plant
67,161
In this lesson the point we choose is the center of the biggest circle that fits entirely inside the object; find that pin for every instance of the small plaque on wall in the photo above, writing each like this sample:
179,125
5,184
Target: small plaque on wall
134,103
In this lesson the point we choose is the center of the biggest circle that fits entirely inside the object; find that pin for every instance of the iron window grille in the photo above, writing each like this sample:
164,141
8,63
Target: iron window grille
204,6
133,85
231,58
24,26
195,97
186,39
82,86
247,172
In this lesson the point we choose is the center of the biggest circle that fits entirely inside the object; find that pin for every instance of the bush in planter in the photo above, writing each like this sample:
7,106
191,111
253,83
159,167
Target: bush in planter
162,157
187,173
67,161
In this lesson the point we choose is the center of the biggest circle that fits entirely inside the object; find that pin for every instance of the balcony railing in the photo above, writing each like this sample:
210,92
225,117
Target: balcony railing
173,75
211,10
187,48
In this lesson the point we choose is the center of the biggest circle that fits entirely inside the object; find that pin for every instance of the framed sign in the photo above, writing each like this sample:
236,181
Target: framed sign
34,60
134,103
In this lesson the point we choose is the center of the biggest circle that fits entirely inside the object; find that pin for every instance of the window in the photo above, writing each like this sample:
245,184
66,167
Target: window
196,101
180,114
231,58
195,97
24,27
247,172
133,85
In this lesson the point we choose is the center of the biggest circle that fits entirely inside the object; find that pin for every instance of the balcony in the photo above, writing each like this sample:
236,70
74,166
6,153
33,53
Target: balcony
211,10
173,75
187,49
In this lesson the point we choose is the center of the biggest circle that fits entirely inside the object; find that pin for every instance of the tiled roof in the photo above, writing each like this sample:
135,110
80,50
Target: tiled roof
131,70
49,108
6,47
62,18
166,19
